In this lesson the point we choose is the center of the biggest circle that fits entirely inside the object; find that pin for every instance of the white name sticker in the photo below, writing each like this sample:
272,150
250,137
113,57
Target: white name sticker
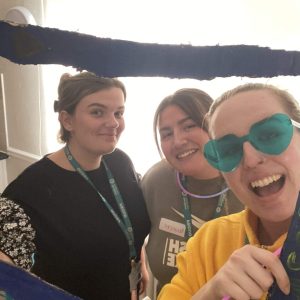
172,227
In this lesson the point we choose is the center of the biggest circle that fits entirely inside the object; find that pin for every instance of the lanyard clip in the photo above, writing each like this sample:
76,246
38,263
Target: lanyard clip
133,262
135,274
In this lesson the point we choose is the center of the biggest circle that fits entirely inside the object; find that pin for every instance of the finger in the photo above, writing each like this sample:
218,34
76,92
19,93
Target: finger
252,276
141,287
261,276
254,281
281,277
236,292
275,267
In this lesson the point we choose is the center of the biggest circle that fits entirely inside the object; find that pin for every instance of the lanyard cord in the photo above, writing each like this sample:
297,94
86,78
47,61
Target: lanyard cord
125,224
187,209
289,256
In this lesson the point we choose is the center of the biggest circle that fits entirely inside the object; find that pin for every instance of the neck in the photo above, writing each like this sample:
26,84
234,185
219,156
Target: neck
87,160
207,173
269,232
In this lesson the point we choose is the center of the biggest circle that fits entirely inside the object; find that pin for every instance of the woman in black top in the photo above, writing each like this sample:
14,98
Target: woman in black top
83,220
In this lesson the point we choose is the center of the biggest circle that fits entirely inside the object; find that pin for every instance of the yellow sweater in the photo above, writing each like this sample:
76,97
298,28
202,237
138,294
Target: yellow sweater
208,250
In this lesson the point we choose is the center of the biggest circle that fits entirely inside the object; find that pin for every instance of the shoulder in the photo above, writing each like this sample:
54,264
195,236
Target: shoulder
38,166
160,178
234,204
230,225
121,164
231,220
217,238
34,170
31,179
208,250
117,156
160,170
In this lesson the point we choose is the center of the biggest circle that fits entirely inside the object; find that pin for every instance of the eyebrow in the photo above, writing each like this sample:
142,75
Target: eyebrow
104,106
184,120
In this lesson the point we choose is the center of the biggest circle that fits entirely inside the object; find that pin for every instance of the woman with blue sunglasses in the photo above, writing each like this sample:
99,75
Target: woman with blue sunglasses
256,145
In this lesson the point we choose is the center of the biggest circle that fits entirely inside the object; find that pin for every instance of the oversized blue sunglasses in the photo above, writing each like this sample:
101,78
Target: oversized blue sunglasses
271,136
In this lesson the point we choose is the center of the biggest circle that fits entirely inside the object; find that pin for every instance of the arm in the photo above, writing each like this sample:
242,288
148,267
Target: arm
16,234
248,274
144,271
5,258
191,273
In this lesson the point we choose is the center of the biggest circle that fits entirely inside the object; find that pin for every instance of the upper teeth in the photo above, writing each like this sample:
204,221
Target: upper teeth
265,181
185,154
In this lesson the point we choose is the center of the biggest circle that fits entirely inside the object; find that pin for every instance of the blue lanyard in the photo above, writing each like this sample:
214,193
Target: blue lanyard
125,224
187,210
290,258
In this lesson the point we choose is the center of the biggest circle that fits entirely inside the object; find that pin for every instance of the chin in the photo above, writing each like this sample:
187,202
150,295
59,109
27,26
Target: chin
182,167
186,172
110,149
104,150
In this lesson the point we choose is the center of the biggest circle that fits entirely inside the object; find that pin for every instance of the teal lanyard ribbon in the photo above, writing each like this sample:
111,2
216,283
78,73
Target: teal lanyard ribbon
124,224
187,210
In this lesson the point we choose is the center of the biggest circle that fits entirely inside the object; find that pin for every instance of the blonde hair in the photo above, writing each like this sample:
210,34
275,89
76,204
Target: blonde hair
289,103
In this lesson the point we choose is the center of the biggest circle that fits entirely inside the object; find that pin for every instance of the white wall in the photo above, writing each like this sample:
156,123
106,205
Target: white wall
20,108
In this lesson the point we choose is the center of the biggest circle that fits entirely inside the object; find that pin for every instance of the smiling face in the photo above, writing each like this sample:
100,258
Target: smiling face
267,184
182,143
97,122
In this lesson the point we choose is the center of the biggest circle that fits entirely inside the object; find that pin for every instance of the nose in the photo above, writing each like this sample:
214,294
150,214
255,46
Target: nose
179,138
112,122
251,156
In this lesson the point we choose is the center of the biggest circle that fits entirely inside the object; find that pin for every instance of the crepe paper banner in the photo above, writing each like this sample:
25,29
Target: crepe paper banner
30,44
21,285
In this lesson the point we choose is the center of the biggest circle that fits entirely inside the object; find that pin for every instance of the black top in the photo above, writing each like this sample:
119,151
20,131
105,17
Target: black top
80,247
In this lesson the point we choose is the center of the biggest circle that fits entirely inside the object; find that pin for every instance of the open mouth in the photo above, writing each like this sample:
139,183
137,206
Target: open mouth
268,185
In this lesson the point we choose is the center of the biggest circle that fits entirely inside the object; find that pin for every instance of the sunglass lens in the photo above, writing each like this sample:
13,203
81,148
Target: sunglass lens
224,154
211,155
273,135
